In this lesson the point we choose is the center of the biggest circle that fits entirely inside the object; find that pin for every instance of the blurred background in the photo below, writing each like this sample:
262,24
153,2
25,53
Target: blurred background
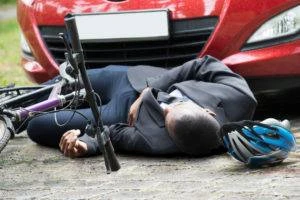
10,72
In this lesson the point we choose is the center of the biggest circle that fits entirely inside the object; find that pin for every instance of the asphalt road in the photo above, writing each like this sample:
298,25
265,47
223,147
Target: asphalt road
29,171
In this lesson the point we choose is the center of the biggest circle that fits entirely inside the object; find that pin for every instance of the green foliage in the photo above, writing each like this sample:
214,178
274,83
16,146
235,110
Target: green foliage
10,54
5,2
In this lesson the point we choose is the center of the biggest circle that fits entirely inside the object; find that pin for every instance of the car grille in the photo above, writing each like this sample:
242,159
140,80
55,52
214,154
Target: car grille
187,38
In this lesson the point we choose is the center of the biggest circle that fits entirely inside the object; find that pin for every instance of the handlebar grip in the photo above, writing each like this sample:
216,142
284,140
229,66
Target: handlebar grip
112,158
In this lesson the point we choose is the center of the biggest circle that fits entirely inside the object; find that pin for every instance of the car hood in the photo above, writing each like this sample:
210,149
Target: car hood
52,11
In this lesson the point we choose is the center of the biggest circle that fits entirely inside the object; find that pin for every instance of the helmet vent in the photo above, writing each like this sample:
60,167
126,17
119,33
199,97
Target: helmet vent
252,150
272,135
238,151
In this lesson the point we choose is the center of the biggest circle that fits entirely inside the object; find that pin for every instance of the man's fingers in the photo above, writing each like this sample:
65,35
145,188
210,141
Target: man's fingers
76,132
68,140
63,138
74,153
66,135
71,146
70,143
78,149
63,141
81,148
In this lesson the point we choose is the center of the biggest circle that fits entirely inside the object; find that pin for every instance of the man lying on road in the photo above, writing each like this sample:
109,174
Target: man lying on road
155,111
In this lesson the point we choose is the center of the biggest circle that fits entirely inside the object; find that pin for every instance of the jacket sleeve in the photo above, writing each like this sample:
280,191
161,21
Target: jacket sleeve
206,69
123,137
128,139
92,144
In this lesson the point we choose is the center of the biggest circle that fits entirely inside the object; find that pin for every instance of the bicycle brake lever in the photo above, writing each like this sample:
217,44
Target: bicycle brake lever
71,68
65,73
63,37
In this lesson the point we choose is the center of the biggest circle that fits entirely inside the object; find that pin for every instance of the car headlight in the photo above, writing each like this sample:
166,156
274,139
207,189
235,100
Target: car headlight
28,2
25,47
284,24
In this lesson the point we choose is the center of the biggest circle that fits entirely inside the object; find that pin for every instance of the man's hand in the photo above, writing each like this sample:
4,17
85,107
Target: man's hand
132,115
71,146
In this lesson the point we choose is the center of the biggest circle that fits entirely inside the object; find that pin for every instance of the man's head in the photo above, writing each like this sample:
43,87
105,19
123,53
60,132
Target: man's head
193,129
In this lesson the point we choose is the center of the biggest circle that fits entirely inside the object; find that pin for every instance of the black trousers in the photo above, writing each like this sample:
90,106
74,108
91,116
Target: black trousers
117,95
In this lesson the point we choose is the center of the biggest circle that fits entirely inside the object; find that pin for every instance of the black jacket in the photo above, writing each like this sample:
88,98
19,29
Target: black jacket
206,81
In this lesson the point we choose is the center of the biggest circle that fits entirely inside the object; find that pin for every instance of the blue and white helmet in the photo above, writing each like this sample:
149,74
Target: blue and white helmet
258,144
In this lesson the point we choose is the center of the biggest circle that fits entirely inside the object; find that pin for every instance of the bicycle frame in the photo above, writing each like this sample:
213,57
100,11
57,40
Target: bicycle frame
37,91
23,112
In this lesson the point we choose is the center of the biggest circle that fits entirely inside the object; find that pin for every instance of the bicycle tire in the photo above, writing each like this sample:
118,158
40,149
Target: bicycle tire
5,133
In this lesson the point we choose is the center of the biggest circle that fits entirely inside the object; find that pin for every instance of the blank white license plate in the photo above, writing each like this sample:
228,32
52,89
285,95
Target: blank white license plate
123,26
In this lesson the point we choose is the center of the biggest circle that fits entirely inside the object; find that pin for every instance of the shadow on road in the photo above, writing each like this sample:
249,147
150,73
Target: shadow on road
283,105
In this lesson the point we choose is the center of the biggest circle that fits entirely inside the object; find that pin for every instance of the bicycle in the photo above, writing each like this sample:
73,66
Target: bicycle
18,104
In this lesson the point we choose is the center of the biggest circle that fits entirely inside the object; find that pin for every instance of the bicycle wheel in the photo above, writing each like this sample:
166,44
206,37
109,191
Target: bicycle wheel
5,132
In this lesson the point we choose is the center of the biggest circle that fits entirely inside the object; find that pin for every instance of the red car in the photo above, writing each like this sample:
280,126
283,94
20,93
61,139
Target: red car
257,39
